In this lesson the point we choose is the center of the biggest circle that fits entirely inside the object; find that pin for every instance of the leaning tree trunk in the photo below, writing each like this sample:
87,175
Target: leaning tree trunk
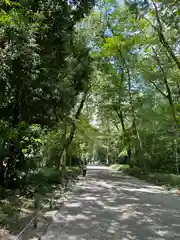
69,139
162,39
169,97
139,148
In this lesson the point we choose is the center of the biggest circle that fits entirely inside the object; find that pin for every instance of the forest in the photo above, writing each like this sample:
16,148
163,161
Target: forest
86,79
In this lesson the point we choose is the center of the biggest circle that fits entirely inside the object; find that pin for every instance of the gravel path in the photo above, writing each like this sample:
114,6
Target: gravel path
109,205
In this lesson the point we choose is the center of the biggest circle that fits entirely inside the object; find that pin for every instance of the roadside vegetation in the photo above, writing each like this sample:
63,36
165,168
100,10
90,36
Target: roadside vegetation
45,77
86,79
168,180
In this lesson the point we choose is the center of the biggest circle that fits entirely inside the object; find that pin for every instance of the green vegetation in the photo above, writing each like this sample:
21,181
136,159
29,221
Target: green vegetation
169,180
119,167
79,81
137,99
16,208
46,75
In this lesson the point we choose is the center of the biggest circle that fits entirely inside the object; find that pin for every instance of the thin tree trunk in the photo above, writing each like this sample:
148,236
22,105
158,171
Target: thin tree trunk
169,93
16,109
172,106
126,138
162,38
139,149
120,115
73,127
63,139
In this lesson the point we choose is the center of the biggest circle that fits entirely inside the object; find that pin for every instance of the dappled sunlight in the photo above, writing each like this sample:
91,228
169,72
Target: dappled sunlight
147,190
104,206
77,204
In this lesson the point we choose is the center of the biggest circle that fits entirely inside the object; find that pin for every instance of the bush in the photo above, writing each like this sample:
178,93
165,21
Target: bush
169,179
52,175
158,178
135,171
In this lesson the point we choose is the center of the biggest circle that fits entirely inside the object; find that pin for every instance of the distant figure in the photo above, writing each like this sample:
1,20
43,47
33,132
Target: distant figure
84,167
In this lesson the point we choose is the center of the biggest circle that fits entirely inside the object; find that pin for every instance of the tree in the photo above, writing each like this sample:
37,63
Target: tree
137,70
45,69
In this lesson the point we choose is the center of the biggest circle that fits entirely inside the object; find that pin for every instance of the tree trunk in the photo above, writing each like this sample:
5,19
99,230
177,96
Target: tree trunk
73,127
162,38
172,106
126,138
139,149
63,139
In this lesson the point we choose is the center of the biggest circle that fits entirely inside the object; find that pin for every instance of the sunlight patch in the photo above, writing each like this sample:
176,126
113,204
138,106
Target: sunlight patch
113,227
77,204
146,190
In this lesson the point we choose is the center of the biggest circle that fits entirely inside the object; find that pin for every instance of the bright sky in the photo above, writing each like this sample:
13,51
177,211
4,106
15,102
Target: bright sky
121,1
94,122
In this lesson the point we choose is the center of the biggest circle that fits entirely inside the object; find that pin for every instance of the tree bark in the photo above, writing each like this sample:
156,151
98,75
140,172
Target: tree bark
169,93
172,106
139,149
162,38
126,138
73,127
139,152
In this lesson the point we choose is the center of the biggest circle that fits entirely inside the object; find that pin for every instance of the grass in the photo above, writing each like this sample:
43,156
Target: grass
167,179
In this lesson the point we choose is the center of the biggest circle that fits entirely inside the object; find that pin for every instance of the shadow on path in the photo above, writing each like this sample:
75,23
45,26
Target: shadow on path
110,205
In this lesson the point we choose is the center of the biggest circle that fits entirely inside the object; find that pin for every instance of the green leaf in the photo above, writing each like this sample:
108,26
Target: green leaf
7,2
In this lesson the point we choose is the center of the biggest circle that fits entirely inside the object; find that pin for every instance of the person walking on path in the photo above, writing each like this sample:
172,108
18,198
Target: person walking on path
84,167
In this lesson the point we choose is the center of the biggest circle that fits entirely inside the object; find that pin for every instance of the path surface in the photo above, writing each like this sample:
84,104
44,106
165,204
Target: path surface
110,205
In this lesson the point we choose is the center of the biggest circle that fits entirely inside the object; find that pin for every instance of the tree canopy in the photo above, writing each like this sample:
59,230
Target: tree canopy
84,79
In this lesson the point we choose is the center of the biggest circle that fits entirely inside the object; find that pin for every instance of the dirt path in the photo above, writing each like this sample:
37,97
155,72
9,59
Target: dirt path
109,205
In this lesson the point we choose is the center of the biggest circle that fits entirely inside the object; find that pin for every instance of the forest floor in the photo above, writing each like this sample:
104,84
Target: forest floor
17,211
108,204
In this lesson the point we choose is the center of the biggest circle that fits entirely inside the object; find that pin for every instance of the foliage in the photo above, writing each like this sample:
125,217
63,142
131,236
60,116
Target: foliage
45,68
137,91
81,82
170,180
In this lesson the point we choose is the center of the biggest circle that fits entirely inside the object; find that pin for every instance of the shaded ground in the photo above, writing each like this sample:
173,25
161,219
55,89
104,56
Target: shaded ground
110,205
17,209
23,211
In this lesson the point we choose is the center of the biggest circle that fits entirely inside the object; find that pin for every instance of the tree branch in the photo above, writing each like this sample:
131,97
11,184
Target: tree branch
162,38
